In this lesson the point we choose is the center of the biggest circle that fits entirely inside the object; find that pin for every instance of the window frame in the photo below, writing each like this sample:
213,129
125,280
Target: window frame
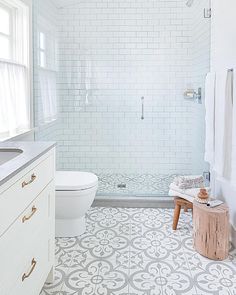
29,66
46,29
42,50
11,31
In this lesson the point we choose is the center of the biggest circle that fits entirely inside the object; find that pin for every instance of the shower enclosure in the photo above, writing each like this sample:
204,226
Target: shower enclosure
109,78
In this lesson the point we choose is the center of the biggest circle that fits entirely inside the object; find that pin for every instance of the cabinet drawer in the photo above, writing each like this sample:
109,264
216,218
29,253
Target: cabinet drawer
16,243
15,199
34,270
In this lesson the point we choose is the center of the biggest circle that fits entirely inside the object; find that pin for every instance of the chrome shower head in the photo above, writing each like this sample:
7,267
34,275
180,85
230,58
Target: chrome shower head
189,3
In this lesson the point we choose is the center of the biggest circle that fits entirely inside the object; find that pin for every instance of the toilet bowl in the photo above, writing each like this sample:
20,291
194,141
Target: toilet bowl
75,193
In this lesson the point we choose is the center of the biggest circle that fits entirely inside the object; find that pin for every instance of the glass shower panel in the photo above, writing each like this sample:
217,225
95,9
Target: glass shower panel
109,57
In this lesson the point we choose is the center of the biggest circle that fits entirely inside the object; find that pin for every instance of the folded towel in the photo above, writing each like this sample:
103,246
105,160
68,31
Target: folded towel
188,182
187,194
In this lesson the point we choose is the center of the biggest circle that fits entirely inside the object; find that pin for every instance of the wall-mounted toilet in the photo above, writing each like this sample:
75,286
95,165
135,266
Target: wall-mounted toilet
75,193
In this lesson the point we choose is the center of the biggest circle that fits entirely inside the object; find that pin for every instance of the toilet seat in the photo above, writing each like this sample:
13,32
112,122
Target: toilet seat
75,180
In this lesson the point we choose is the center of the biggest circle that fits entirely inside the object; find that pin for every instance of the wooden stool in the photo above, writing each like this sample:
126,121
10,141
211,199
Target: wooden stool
211,230
179,203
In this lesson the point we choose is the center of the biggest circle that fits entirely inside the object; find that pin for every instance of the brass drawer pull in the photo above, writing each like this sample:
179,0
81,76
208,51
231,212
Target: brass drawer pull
33,264
25,183
25,218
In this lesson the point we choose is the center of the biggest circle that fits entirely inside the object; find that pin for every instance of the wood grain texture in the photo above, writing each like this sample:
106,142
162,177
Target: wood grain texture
179,203
211,230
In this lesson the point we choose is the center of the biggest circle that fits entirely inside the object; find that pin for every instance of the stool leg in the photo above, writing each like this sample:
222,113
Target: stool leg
176,216
185,208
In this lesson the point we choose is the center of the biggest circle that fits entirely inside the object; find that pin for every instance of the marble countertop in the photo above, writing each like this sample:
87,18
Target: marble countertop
31,152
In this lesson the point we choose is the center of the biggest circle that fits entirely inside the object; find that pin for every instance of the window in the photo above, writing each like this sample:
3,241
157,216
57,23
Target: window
47,71
14,67
5,32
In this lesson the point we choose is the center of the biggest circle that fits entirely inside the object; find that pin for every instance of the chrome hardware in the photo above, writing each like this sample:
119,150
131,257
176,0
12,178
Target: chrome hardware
33,264
207,176
25,218
142,99
189,3
191,94
121,185
25,183
207,12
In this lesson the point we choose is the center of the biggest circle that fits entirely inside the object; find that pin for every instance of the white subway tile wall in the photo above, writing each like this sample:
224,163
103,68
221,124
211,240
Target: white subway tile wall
110,54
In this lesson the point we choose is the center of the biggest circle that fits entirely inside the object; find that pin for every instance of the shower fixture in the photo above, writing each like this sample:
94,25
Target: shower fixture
207,11
189,3
142,100
192,95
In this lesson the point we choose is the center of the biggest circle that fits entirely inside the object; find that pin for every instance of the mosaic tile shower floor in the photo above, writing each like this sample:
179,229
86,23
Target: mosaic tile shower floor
135,252
144,184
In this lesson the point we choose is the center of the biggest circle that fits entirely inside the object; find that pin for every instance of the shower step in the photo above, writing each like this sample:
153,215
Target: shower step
134,202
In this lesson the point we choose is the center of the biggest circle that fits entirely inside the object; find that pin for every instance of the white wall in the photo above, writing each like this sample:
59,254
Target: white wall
223,34
224,57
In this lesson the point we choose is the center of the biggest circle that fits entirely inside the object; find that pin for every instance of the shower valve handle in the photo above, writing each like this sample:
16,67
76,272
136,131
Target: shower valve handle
142,99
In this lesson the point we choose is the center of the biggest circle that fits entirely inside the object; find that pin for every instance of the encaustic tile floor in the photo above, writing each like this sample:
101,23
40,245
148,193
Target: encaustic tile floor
136,252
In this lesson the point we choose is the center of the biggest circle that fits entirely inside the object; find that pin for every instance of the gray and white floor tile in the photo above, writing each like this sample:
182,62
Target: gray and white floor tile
127,251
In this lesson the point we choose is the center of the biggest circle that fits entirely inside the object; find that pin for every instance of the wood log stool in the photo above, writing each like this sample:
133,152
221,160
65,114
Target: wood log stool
211,230
179,203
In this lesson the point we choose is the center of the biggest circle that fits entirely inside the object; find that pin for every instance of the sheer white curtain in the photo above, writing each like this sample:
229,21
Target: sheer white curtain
14,104
47,83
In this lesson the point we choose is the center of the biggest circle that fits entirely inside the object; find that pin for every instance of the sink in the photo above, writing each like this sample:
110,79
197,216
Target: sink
7,154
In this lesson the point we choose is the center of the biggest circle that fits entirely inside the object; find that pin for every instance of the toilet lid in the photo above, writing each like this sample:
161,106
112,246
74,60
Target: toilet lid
74,180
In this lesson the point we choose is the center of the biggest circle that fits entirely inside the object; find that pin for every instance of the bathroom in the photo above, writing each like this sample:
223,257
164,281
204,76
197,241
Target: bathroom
105,107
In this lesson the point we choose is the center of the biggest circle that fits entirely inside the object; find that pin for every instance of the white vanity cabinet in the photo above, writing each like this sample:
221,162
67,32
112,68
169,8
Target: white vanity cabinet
27,222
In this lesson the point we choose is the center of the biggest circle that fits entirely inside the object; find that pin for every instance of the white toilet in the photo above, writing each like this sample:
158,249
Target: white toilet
75,193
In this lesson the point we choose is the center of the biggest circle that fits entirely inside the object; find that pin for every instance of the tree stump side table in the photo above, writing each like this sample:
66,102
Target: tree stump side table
211,230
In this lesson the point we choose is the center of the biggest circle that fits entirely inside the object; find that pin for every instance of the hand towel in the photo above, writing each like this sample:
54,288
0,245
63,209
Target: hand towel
219,121
210,85
228,126
223,123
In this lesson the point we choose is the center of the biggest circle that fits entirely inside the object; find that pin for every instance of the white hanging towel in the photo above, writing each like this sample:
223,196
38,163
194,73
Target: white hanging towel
233,176
210,85
228,131
224,123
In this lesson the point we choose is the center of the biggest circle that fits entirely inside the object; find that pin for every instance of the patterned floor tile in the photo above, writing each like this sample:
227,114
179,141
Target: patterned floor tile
134,251
81,280
104,243
163,278
108,217
64,251
113,279
214,277
59,280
